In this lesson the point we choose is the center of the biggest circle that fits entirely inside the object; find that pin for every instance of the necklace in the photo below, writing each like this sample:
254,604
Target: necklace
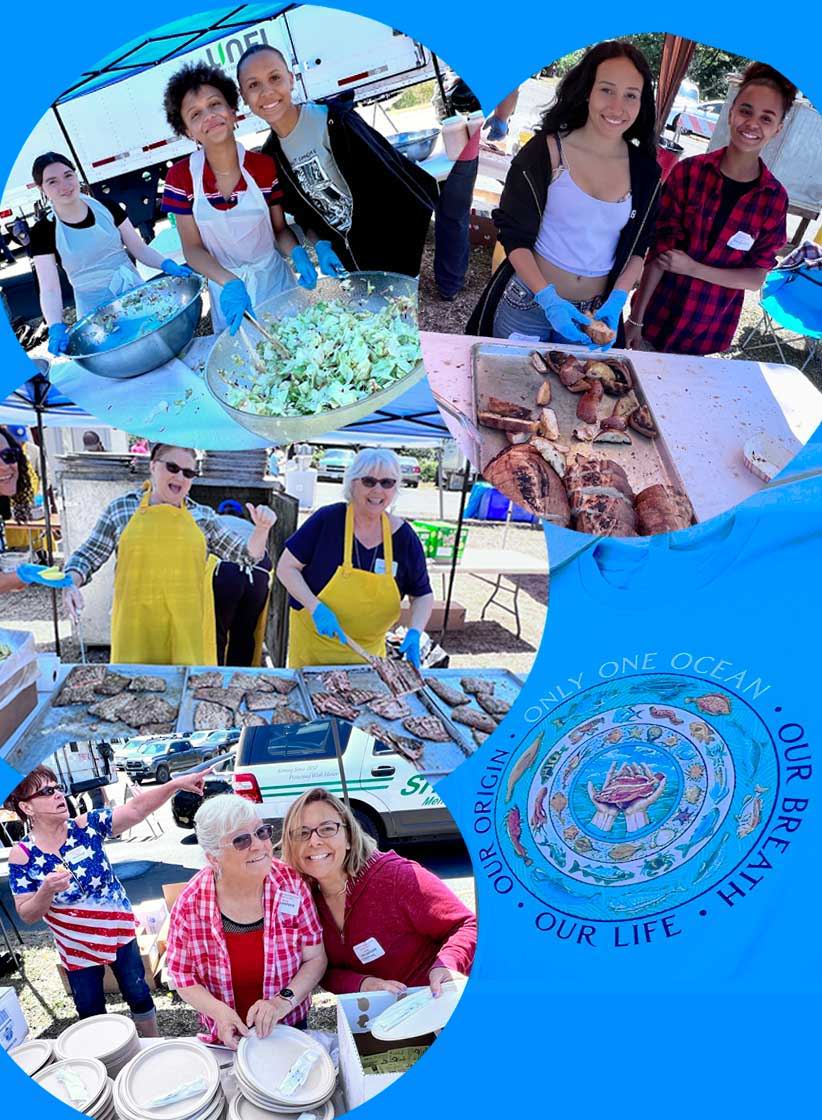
358,561
335,894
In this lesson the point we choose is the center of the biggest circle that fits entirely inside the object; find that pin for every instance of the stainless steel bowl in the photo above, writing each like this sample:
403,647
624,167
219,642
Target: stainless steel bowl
415,145
140,330
366,290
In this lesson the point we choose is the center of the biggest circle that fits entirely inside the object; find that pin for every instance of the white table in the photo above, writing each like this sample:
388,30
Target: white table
499,563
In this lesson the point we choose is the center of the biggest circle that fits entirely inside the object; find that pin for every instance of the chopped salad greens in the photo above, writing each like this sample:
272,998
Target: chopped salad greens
338,355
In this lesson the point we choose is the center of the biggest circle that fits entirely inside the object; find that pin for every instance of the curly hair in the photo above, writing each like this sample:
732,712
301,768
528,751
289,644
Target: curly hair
22,499
190,78
570,109
761,74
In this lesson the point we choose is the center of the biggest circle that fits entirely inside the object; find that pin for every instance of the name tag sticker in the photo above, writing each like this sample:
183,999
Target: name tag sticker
379,567
368,950
288,903
740,240
77,855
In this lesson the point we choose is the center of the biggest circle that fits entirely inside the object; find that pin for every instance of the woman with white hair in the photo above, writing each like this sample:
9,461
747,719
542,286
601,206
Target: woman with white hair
244,943
349,566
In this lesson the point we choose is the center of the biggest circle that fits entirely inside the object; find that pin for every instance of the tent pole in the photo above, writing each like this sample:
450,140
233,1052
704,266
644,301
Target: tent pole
439,481
71,148
41,437
466,478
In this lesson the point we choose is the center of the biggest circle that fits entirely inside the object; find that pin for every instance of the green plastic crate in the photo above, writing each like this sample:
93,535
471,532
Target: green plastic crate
438,539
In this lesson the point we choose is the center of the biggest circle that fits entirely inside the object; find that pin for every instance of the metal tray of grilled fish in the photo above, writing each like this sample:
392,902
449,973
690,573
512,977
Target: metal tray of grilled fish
438,759
296,699
507,686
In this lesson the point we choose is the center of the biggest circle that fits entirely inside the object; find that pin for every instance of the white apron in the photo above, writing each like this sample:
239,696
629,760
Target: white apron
241,239
95,259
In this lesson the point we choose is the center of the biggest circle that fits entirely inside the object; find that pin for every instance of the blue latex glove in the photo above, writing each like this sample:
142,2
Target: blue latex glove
58,338
171,268
234,302
31,573
326,623
411,647
329,262
303,267
497,129
563,316
610,312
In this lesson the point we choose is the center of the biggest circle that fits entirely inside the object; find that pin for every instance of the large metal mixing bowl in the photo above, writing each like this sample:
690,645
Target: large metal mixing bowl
140,330
365,291
415,145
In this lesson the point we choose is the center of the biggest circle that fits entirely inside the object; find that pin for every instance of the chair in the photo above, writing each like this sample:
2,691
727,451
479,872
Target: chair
154,826
790,302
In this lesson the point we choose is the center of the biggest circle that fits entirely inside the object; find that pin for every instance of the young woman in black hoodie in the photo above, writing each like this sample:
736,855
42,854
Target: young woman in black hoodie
577,211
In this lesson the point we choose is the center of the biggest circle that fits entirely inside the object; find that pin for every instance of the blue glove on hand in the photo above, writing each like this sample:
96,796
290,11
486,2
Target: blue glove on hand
234,302
610,312
563,316
326,623
171,268
58,338
329,262
33,573
411,647
497,129
303,267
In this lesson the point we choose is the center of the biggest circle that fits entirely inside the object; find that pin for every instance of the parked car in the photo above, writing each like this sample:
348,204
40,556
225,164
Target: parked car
184,803
218,741
125,751
333,463
389,797
698,121
159,758
410,468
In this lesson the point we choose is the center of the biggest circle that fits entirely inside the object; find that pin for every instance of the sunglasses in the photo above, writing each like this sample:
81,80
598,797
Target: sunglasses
370,483
244,841
325,831
47,791
8,456
175,468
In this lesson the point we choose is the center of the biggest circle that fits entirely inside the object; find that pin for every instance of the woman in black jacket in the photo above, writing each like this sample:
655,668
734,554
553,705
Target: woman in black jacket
577,211
363,205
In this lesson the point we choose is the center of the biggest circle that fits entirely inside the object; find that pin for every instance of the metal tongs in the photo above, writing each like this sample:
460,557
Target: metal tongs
256,361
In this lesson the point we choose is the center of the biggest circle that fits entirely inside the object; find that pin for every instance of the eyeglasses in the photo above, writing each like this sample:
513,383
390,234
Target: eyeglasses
325,831
370,483
175,468
8,456
244,841
47,791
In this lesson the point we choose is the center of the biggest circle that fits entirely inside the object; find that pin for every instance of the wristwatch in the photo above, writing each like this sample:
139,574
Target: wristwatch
286,993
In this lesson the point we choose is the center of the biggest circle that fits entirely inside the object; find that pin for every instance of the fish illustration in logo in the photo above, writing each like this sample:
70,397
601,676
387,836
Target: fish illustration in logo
622,852
712,703
750,814
625,715
665,713
557,854
524,762
549,764
600,874
513,826
702,830
712,860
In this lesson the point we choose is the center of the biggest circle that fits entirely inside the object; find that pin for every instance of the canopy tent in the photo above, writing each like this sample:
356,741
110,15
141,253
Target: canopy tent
677,53
170,41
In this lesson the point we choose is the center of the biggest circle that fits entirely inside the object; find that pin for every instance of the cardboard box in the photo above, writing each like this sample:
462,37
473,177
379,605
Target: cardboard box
151,966
171,892
17,709
13,1025
481,230
354,1015
151,915
456,617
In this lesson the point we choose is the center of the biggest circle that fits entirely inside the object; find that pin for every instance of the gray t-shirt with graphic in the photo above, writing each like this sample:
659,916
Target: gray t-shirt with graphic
308,150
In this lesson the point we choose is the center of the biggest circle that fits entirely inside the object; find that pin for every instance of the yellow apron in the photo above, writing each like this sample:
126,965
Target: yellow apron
366,604
163,612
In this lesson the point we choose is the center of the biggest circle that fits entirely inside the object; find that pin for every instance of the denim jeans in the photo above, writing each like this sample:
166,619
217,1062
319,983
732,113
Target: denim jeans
519,313
87,985
451,245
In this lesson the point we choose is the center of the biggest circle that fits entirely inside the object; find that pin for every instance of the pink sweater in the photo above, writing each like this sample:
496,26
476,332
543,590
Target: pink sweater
413,915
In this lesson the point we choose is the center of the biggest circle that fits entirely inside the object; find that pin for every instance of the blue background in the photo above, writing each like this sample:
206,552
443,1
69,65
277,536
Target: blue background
513,1049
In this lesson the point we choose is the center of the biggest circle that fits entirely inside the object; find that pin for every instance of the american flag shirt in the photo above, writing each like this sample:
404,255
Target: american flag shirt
198,954
690,316
93,918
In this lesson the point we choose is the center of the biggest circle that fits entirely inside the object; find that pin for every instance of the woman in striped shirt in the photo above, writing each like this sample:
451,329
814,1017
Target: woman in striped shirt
60,873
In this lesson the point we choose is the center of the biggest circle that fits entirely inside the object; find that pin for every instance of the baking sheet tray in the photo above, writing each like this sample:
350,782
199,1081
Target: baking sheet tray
437,758
507,686
297,698
55,727
506,372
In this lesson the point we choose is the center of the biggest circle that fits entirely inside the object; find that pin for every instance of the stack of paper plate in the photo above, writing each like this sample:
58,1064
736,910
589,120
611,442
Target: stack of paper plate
287,1072
417,1014
177,1079
241,1108
111,1038
34,1055
82,1083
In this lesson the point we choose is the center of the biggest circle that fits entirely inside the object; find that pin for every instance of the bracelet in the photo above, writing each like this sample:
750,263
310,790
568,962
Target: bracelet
633,322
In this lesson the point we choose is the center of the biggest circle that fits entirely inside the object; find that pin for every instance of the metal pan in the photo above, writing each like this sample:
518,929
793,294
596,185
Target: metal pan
296,699
229,365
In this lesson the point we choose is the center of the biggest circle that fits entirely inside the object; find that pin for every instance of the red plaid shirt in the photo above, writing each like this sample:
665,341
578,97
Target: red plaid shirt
197,951
689,316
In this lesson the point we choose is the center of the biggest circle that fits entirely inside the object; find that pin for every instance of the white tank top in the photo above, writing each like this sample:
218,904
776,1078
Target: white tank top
579,233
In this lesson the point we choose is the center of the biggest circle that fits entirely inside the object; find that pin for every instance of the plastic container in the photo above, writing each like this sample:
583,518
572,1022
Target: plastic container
454,135
475,121
438,539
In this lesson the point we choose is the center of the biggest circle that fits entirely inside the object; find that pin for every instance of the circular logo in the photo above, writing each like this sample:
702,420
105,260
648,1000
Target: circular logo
635,796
